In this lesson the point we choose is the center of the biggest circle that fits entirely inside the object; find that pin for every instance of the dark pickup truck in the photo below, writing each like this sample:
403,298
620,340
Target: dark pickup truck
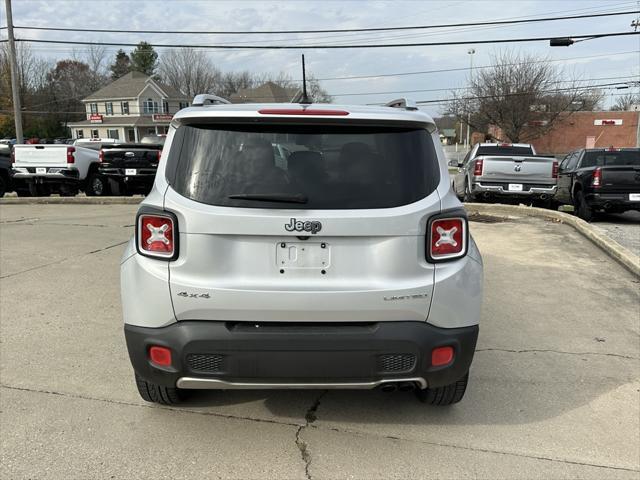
600,180
125,169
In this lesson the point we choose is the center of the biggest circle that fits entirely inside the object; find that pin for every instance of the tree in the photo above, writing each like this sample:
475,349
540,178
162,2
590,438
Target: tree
144,59
121,66
522,95
189,71
624,102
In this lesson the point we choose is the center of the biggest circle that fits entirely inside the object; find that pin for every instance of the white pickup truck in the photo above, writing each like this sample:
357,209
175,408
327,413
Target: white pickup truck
64,169
492,171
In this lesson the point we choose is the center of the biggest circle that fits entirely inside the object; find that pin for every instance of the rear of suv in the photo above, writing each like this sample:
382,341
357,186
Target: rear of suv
301,246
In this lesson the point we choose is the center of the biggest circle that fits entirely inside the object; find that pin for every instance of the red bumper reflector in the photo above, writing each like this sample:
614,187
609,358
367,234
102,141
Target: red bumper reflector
160,356
441,356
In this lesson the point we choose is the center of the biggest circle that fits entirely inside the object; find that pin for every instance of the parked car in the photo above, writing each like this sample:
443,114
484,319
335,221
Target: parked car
60,168
600,180
353,267
128,168
492,171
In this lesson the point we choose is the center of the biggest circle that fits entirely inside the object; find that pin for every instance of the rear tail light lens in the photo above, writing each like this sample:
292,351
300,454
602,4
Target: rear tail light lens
13,156
156,236
477,168
441,356
159,154
71,154
554,171
447,239
101,156
160,356
596,181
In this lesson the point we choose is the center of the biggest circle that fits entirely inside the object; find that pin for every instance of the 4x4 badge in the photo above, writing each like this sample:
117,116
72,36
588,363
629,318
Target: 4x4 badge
300,226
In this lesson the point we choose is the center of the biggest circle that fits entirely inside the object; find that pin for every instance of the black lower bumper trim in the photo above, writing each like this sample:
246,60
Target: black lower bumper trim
252,352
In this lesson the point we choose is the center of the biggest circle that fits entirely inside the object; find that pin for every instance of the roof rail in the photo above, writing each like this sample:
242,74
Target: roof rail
207,99
403,103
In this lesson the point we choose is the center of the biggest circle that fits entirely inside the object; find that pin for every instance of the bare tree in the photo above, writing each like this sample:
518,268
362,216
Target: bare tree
625,102
189,71
521,94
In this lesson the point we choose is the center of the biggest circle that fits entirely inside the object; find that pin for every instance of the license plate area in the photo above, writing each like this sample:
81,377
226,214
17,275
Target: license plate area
41,170
634,197
130,171
515,187
309,255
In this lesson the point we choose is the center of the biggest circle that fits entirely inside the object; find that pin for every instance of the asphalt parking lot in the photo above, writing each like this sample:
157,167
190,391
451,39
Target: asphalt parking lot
554,389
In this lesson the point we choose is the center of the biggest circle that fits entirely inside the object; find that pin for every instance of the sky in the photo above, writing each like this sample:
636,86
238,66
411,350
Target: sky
609,57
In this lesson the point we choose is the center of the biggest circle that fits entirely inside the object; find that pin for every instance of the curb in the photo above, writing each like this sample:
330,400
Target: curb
612,248
70,200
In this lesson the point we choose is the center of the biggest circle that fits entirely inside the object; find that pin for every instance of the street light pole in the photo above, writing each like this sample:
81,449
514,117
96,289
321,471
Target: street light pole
15,88
471,51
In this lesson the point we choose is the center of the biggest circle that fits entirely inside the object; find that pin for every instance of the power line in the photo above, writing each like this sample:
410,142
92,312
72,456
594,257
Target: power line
337,30
333,47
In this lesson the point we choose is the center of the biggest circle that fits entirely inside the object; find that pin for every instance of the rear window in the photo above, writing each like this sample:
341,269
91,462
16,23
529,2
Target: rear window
509,150
603,159
303,166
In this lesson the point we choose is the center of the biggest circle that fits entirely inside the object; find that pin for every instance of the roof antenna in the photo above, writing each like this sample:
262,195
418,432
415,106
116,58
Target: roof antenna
305,98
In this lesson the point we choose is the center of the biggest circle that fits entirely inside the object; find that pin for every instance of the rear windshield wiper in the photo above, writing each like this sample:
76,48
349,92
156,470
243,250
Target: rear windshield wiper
271,197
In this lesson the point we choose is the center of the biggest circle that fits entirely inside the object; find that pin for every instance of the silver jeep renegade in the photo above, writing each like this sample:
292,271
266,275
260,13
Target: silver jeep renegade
301,246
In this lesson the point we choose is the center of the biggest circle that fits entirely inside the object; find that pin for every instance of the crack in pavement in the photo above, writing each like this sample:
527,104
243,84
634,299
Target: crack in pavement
38,267
476,449
20,220
142,405
533,350
310,417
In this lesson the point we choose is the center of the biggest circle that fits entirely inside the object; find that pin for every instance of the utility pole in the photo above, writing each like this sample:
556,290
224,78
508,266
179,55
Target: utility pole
470,52
15,87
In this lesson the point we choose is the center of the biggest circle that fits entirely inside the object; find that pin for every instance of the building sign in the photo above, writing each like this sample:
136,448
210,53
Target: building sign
609,121
95,118
161,117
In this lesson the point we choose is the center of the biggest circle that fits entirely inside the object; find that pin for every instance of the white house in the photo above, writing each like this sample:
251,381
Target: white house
129,108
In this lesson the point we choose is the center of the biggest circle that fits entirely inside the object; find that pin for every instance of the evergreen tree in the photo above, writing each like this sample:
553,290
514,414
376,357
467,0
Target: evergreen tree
121,66
144,59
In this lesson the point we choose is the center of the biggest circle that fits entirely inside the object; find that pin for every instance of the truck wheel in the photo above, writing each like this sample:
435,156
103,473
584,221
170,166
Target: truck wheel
97,186
447,395
66,191
468,196
583,209
152,392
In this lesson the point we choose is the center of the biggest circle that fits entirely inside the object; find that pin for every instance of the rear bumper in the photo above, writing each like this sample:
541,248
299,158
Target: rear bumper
54,175
229,355
503,189
612,201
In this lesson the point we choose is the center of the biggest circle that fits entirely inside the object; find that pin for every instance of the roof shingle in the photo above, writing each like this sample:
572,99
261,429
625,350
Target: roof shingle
130,85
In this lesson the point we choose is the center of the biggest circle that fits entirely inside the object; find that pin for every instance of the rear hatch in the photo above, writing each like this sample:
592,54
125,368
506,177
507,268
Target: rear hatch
331,230
620,169
528,170
134,156
40,156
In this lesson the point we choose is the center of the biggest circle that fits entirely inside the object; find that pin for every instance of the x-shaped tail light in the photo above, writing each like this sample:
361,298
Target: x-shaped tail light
157,236
446,236
448,239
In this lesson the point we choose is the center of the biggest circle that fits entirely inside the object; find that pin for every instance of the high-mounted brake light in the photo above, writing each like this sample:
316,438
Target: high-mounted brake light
101,156
156,236
71,155
504,145
160,356
448,238
477,168
303,111
613,149
596,180
554,170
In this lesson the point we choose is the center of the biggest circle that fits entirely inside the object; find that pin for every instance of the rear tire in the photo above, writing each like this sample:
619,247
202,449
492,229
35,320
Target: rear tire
468,196
152,392
583,210
97,186
447,395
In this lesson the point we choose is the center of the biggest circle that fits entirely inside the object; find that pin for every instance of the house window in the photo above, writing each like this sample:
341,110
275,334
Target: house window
94,108
165,106
150,106
94,134
124,106
113,133
184,105
79,133
109,108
